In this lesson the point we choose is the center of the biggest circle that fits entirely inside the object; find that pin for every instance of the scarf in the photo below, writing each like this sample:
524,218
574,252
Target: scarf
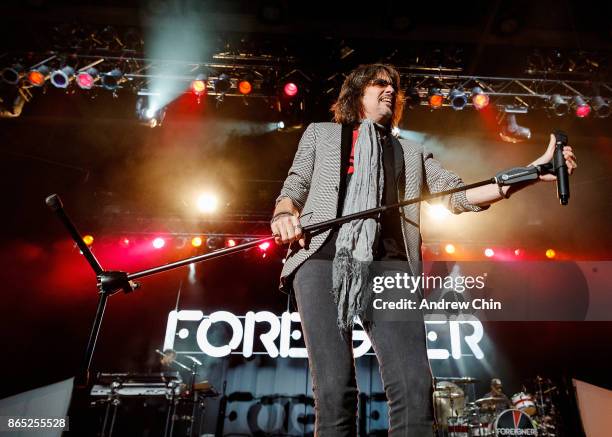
357,238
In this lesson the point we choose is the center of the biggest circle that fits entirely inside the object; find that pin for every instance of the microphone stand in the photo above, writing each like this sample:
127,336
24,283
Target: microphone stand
110,282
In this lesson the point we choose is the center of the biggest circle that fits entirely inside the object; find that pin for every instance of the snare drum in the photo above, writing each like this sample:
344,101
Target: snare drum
524,402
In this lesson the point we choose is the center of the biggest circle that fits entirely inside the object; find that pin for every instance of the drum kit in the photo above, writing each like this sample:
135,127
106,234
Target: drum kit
522,414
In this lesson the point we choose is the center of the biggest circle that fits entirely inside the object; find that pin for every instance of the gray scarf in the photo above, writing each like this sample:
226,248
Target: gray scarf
356,239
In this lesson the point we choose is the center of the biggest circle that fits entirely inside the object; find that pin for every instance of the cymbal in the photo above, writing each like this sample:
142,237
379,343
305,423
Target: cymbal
457,379
490,400
449,395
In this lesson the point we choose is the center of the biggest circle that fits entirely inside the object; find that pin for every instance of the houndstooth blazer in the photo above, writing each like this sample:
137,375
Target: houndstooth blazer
313,184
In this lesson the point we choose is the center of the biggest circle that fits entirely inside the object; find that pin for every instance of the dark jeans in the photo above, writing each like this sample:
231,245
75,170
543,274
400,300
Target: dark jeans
400,348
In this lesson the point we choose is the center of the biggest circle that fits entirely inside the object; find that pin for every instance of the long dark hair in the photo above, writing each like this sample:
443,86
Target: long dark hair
348,109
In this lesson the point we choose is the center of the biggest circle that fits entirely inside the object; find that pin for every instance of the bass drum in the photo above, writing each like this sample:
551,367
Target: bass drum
514,422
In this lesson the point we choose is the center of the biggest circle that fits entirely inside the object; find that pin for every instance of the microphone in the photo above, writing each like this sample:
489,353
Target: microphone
560,168
194,359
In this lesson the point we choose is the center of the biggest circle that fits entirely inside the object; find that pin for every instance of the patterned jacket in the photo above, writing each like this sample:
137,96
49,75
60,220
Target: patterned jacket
313,184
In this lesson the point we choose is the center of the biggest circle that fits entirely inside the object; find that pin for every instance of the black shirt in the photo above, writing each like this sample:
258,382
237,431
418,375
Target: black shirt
391,240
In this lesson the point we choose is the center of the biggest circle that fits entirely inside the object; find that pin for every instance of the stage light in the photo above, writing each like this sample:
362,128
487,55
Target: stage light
207,203
230,242
601,107
488,252
480,100
457,99
198,86
86,79
223,84
88,239
264,246
559,105
550,253
147,114
438,212
512,132
112,79
38,76
12,74
280,125
61,78
290,89
196,241
581,108
450,249
124,242
436,99
214,243
159,242
517,252
245,87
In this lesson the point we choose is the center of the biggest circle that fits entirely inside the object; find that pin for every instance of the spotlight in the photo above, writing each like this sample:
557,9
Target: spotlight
550,253
112,79
413,98
147,114
601,107
230,242
159,242
435,98
458,99
290,89
124,242
198,86
88,239
450,249
517,252
581,108
264,246
245,85
280,125
61,78
512,132
559,105
488,252
214,243
196,241
86,79
479,99
207,203
12,74
223,84
38,76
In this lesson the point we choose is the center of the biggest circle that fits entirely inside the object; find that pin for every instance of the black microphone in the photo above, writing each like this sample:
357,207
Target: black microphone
560,168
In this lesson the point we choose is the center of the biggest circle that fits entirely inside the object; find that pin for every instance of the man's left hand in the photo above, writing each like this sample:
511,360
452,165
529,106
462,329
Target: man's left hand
568,154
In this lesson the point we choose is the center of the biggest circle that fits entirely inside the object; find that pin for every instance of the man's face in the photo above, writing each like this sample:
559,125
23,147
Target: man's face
168,359
379,100
496,388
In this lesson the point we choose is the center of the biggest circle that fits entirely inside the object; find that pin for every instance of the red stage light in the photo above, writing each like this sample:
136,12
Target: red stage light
264,246
245,87
489,252
198,86
550,253
85,80
36,78
124,242
290,89
159,242
196,241
517,252
230,242
436,100
480,101
88,239
583,111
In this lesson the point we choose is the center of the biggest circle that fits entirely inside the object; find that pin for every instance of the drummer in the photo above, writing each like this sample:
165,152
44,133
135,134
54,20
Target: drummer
501,402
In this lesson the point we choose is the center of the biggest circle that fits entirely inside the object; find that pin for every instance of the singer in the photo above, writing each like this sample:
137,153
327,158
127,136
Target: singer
348,166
